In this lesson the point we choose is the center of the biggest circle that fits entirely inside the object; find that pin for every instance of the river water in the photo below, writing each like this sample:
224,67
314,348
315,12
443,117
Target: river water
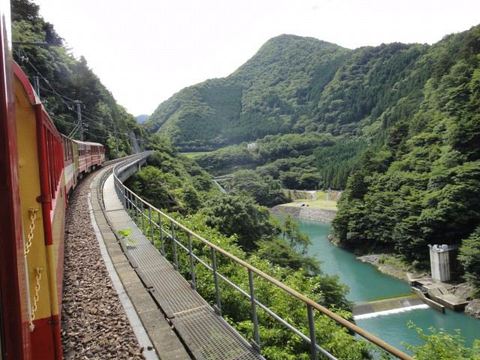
366,283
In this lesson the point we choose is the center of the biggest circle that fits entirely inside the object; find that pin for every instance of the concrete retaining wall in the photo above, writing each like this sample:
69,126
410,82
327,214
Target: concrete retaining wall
305,213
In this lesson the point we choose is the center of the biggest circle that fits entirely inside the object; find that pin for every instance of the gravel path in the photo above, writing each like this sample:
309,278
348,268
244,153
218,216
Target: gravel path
94,324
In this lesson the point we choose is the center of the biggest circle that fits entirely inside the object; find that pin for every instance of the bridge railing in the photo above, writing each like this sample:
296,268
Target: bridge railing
155,224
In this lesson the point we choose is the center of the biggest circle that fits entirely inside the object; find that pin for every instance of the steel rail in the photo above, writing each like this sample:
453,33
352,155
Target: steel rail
307,301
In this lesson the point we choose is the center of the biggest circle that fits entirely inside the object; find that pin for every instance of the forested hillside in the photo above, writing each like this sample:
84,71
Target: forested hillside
293,84
239,225
272,93
404,118
422,186
63,79
296,85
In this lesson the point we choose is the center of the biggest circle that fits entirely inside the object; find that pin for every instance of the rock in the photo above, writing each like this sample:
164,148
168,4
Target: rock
373,259
473,308
92,316
463,291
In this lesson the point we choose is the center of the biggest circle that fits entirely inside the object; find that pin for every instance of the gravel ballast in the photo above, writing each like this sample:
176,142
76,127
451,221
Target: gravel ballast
94,323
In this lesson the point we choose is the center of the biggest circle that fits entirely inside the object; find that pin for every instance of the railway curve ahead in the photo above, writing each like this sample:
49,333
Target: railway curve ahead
94,323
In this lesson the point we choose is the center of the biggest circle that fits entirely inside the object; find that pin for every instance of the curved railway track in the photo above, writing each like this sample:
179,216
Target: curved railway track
94,323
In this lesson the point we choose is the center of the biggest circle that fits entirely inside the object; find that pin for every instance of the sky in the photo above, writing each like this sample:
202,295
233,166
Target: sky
144,51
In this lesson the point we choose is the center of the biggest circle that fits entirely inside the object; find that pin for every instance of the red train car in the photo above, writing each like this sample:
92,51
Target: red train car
38,168
90,155
80,158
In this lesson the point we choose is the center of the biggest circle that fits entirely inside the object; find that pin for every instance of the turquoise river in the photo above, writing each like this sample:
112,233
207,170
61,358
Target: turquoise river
367,283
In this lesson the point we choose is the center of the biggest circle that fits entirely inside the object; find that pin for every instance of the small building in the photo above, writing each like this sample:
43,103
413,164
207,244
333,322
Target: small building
440,262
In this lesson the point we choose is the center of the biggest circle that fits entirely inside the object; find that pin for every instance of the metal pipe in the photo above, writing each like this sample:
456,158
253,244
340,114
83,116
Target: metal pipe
311,330
256,335
192,265
162,240
215,280
174,243
152,240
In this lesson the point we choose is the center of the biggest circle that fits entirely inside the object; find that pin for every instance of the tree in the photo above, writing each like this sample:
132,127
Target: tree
239,215
292,233
441,345
470,257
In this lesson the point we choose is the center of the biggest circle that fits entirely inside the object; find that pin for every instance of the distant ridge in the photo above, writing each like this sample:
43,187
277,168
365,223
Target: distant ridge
142,118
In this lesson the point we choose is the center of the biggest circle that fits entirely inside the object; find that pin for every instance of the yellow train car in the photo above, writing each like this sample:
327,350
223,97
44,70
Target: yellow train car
42,206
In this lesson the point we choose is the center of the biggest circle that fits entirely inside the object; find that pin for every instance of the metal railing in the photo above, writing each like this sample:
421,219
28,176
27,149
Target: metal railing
145,214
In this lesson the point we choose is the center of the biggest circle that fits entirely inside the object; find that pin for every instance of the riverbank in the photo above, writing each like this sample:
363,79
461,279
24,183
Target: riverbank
324,211
310,205
393,266
366,284
304,213
390,265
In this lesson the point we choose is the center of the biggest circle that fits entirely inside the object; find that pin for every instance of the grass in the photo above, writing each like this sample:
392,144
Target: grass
195,154
396,262
320,202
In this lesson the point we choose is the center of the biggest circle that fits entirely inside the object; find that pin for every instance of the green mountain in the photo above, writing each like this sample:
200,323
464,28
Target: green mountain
269,94
400,122
292,84
422,184
141,118
63,79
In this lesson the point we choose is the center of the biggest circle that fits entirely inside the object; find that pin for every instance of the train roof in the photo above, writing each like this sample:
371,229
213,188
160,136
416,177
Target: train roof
32,96
27,86
86,142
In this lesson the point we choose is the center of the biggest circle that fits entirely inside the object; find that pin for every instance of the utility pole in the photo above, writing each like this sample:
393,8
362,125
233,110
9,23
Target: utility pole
116,136
36,84
79,117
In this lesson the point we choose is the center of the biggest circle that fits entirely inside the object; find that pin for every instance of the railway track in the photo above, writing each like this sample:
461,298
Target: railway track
94,324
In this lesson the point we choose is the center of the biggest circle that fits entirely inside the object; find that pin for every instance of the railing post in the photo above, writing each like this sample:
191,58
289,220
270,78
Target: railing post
130,201
135,207
174,243
256,336
162,242
311,328
152,240
142,218
192,264
218,308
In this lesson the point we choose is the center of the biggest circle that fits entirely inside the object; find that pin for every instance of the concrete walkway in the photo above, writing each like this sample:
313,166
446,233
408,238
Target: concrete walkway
152,284
166,343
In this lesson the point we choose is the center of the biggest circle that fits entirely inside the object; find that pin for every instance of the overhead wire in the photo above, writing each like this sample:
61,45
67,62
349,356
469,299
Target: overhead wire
67,101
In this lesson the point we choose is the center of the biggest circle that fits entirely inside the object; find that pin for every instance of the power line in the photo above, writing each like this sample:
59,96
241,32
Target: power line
67,102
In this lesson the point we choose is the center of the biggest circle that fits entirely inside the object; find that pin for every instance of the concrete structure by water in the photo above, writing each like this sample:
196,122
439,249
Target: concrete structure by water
440,262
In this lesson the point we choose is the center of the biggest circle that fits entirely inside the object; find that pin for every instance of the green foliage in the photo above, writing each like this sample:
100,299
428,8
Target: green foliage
239,215
277,341
335,163
272,93
421,187
443,346
470,257
300,161
264,189
296,85
171,182
263,151
240,226
291,232
63,79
